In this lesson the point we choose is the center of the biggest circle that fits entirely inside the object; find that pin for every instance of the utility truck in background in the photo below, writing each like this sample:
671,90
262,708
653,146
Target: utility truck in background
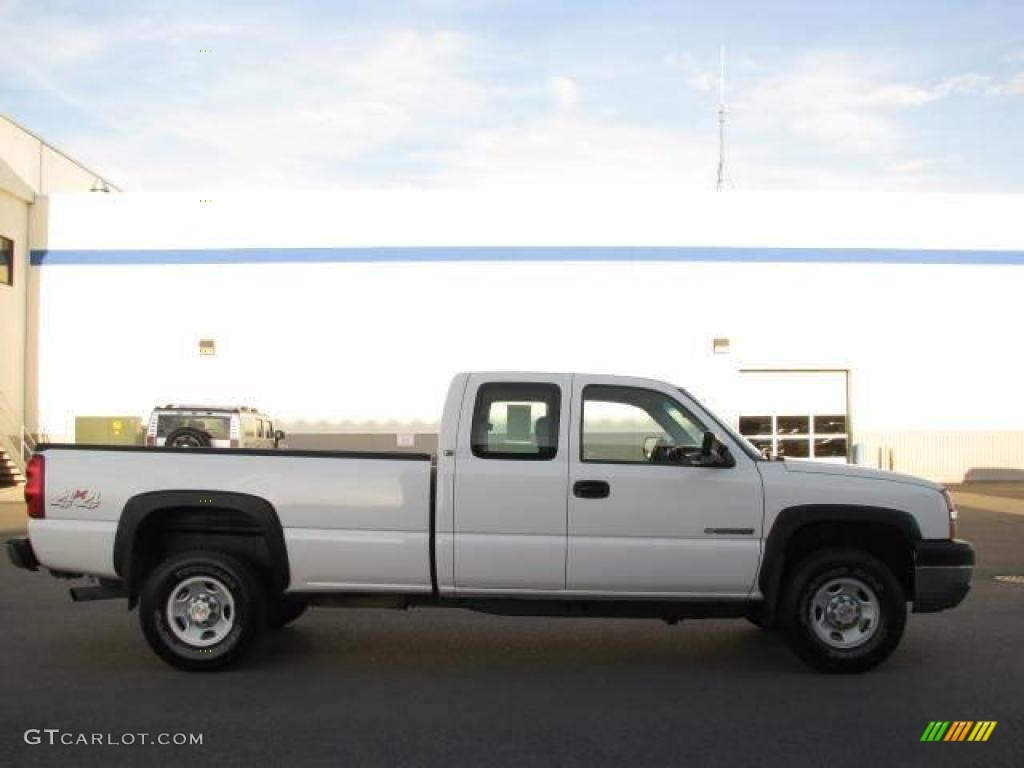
550,495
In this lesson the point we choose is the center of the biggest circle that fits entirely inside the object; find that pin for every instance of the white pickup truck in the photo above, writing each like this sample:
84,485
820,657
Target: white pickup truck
551,494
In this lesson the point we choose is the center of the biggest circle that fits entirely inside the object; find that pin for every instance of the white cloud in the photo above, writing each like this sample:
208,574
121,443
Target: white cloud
849,131
847,103
562,151
564,92
702,82
338,101
964,84
283,102
700,78
275,100
1014,86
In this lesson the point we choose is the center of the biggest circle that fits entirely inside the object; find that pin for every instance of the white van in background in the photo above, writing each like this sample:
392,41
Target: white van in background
200,426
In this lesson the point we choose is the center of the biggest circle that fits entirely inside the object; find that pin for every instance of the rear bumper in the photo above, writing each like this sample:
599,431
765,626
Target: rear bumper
19,552
942,574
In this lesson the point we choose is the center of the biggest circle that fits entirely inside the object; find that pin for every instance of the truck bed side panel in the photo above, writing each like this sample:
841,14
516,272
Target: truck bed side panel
358,524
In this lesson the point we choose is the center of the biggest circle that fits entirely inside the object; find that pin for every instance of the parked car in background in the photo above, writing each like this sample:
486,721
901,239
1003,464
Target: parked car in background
201,426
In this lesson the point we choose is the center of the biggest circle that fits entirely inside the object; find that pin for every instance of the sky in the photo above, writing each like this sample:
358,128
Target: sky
209,96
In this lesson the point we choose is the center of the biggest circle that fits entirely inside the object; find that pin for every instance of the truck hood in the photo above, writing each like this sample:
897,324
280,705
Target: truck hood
852,470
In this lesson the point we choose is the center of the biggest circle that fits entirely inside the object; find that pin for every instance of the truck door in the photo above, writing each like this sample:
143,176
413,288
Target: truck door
642,523
511,484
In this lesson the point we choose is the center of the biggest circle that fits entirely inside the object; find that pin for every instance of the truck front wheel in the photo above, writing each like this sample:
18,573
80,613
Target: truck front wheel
202,610
844,611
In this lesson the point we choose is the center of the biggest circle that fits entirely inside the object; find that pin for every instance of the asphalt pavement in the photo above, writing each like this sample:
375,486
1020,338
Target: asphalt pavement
440,687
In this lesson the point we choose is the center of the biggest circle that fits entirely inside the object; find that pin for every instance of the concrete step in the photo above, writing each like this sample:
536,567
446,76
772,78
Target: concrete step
9,473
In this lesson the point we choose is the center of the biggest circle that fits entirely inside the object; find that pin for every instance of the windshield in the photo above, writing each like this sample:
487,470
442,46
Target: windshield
217,427
749,448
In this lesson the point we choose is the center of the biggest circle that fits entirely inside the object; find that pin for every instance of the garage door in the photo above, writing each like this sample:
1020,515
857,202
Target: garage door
797,414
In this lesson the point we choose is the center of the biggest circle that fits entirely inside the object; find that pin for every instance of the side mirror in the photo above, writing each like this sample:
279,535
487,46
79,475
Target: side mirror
713,453
650,444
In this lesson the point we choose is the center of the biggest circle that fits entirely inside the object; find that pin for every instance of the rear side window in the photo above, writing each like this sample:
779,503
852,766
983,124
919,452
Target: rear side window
517,421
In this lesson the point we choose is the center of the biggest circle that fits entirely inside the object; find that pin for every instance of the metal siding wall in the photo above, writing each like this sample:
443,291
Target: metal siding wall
947,457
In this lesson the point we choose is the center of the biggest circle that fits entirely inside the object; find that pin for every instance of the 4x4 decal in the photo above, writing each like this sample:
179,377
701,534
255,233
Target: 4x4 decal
82,498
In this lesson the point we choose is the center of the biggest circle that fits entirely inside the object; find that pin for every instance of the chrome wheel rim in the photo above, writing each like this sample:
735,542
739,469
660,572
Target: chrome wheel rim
844,612
201,611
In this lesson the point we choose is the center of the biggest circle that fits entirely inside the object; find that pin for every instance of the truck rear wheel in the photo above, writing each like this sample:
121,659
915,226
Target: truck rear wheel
202,610
844,611
760,621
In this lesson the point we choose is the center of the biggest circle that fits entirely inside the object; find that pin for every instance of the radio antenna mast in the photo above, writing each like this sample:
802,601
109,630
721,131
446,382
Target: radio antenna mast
723,171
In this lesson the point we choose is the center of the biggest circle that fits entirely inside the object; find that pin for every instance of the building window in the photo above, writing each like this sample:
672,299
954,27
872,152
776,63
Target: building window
6,261
516,421
822,436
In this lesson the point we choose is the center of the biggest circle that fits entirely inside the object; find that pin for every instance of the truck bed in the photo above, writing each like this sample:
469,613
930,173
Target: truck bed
351,520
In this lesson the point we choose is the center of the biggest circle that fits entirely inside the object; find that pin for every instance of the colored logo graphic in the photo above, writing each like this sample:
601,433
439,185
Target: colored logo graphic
958,730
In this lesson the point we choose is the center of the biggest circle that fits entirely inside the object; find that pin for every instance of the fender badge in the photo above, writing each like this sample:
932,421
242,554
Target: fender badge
81,498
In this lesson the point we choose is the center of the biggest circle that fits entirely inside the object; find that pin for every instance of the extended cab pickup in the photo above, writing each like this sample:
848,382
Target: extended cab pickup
551,494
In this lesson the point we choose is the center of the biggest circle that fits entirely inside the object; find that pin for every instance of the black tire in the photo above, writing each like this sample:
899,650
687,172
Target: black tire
186,437
760,621
283,611
871,583
247,606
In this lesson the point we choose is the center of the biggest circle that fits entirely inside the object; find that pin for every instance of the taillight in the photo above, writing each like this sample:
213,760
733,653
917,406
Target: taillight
150,440
35,487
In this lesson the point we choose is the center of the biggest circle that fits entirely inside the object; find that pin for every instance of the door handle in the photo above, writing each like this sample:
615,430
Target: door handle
730,531
591,489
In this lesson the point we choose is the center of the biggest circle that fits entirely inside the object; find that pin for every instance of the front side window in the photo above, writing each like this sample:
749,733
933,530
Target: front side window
635,426
6,261
516,421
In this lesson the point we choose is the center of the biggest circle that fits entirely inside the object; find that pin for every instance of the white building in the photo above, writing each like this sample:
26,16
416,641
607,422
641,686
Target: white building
886,322
30,171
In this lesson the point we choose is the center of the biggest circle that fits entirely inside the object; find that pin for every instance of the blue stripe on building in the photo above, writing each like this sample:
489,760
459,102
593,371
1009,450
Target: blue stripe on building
530,253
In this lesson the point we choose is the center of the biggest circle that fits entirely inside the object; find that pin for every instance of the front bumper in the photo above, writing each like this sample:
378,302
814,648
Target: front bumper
19,552
942,574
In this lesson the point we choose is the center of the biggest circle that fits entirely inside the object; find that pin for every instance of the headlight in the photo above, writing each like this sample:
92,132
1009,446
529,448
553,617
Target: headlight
951,507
